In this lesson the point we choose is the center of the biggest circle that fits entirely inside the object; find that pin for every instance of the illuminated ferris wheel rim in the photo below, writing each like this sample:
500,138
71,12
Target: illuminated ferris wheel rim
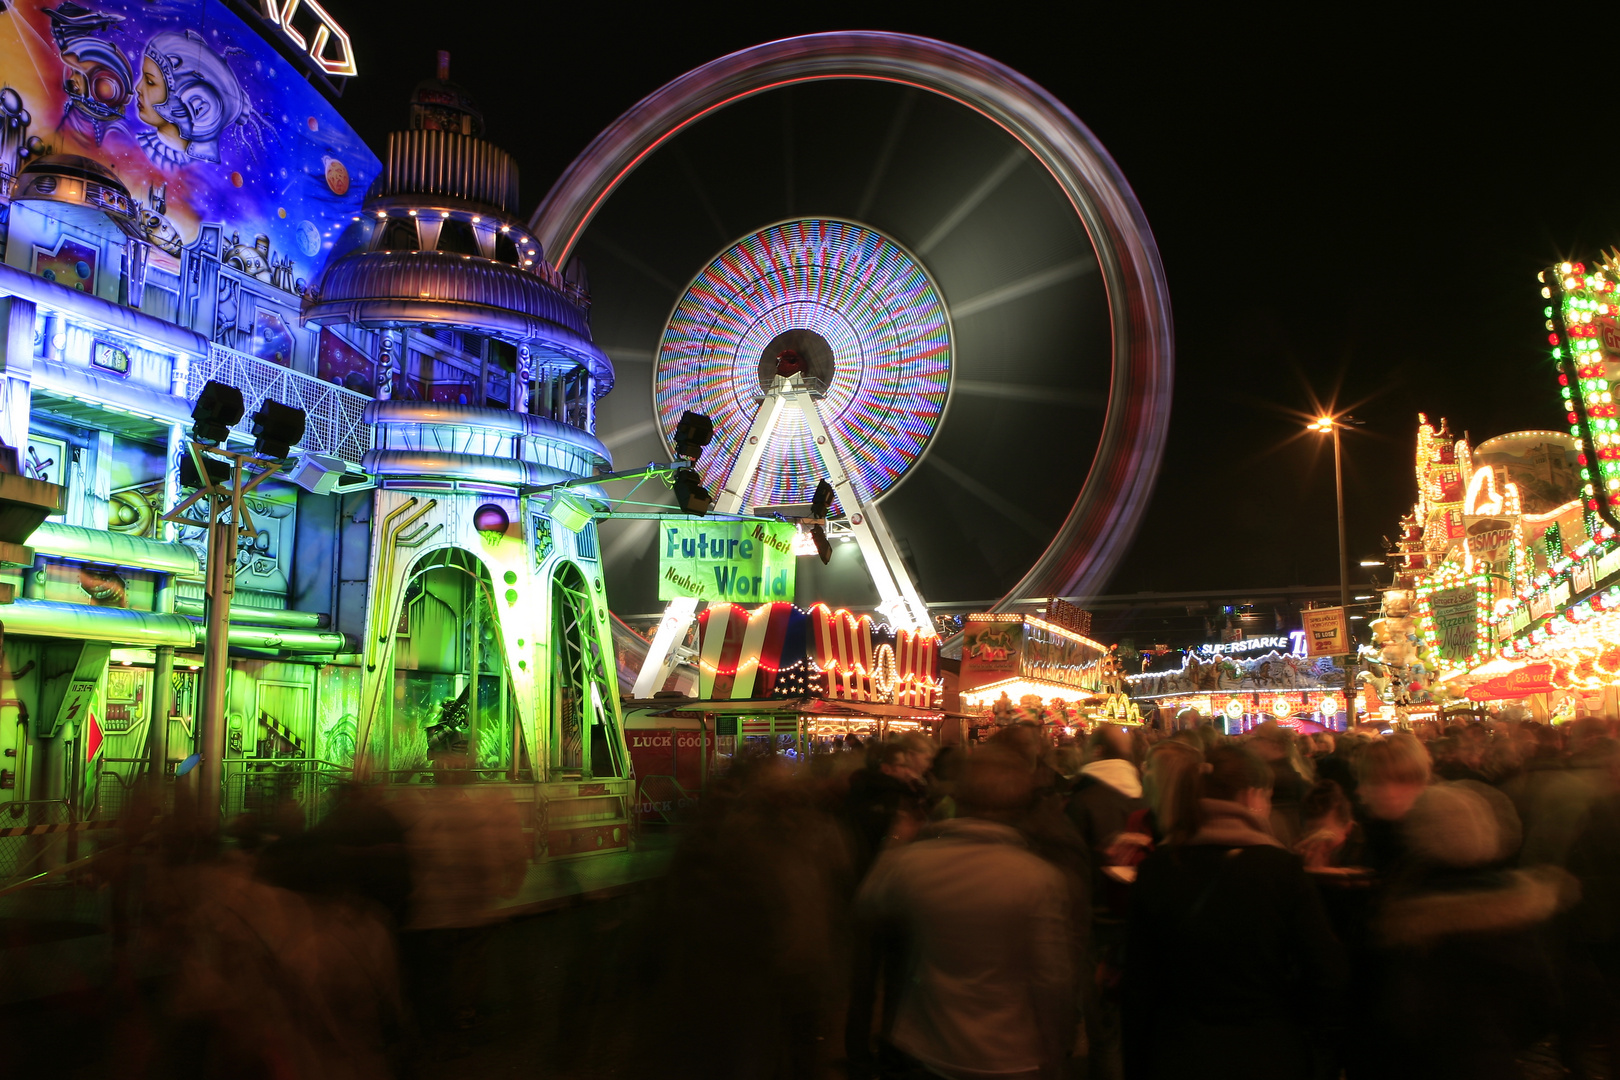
1104,517
849,392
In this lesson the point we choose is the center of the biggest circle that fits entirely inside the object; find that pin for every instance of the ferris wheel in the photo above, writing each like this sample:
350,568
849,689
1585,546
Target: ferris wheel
971,304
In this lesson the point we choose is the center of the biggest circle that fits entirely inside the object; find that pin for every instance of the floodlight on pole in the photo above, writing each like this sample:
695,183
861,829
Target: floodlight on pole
222,480
219,408
277,428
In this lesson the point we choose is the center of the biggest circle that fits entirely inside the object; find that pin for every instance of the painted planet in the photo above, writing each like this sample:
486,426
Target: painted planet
236,179
281,211
337,177
491,518
309,238
314,124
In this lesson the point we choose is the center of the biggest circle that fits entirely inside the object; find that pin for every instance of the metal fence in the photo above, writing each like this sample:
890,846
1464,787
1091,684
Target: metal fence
265,786
21,856
335,421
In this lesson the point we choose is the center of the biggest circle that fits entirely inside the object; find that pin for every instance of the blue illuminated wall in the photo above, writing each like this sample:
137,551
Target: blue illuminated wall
241,174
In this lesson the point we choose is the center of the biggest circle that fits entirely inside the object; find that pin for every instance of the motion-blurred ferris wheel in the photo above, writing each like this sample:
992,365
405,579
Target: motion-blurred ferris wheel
969,286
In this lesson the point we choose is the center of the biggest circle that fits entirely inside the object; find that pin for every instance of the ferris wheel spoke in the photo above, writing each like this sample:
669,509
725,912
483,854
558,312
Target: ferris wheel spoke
971,201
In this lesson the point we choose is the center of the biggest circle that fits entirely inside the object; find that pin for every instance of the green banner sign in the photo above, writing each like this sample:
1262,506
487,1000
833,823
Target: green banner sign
748,562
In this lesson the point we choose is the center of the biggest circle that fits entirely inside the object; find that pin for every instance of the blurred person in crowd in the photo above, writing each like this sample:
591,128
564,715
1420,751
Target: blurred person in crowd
1334,759
1468,983
1067,759
1030,743
985,929
1104,800
1390,775
1556,787
942,777
1291,777
1109,791
1232,970
885,800
761,841
1163,779
1327,825
1592,931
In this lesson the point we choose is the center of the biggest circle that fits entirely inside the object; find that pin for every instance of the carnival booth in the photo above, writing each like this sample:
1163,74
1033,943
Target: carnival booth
784,680
1242,684
672,755
1024,668
1506,594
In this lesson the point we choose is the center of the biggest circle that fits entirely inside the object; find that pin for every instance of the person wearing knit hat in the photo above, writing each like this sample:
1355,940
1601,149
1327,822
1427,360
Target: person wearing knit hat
1468,982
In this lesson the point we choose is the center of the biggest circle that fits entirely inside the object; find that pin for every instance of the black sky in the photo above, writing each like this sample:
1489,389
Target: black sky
1346,205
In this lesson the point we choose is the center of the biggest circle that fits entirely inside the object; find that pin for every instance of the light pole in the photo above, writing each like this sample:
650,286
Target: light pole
1325,425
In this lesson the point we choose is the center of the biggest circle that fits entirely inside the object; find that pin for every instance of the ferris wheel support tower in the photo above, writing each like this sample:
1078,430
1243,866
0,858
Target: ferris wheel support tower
898,597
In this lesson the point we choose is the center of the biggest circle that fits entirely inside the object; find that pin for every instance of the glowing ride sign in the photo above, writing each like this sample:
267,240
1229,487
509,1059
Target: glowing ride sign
326,31
727,560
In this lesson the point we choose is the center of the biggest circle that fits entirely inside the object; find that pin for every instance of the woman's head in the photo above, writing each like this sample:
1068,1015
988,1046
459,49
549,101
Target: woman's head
1164,775
1230,773
1391,773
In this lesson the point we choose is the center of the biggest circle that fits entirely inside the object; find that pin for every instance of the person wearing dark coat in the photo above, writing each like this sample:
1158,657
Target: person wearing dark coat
1231,968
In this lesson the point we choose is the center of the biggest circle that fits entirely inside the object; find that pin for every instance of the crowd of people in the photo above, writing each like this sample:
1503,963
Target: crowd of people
1147,905
1134,905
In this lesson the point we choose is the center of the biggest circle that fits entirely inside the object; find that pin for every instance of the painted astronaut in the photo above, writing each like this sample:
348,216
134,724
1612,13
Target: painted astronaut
190,97
96,76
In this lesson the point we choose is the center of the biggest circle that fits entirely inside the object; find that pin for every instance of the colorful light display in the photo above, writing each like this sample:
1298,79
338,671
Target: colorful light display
867,298
1585,340
782,650
1454,615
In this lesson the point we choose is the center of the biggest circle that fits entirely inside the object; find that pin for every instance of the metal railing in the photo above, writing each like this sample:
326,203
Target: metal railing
335,421
265,785
21,856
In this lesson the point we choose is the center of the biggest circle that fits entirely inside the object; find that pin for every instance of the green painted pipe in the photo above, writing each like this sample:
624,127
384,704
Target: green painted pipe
287,639
113,549
253,616
120,626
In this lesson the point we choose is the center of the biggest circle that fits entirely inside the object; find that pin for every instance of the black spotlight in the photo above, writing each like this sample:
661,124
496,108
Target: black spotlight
821,501
219,408
690,494
692,434
277,428
818,536
218,472
820,506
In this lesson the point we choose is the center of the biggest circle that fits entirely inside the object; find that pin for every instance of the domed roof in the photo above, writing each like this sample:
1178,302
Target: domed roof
413,288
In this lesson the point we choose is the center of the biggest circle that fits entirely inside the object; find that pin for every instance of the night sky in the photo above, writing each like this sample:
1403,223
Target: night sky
1347,208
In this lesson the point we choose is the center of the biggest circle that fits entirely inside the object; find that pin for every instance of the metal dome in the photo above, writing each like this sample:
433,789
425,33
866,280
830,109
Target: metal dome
413,288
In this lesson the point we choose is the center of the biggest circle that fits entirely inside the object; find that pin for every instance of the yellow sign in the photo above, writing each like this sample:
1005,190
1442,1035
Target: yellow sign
1326,632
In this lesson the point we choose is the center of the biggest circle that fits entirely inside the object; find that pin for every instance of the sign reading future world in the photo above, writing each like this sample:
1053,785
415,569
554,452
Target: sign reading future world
748,561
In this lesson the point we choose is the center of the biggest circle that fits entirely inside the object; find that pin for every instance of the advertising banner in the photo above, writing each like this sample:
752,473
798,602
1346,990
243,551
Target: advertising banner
1326,632
1530,679
743,561
1456,621
991,652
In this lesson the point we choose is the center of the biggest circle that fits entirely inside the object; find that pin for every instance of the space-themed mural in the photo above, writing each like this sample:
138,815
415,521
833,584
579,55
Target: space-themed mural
218,177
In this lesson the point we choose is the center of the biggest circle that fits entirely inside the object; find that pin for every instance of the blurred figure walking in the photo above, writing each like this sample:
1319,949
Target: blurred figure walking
1225,917
986,990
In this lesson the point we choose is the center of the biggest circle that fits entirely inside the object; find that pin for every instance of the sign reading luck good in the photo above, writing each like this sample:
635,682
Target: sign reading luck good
749,561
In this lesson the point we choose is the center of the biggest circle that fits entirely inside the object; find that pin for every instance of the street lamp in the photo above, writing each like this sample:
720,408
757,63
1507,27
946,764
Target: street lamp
1325,425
